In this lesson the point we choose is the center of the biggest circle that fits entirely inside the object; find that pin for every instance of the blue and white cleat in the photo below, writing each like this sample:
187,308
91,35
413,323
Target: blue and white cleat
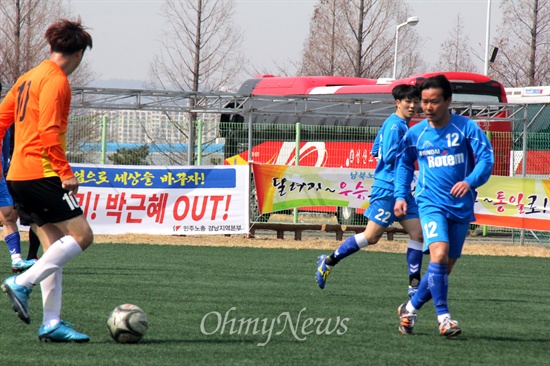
61,332
19,297
322,271
22,265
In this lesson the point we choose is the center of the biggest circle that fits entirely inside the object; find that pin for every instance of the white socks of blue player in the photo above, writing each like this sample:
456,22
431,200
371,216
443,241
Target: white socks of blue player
59,253
413,244
410,308
51,298
361,240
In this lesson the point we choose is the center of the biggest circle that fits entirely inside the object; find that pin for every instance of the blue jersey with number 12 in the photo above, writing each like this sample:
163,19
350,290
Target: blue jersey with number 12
457,152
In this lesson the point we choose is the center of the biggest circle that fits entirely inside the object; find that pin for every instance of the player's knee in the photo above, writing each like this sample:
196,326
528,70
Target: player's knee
8,217
84,236
373,239
442,258
87,239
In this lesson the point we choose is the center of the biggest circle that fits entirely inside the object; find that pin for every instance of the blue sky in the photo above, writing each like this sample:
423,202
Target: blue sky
126,32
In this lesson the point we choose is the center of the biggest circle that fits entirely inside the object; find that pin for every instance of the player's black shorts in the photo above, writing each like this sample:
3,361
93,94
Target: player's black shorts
43,201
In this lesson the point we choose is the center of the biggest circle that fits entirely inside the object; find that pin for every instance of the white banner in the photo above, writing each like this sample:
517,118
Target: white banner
166,200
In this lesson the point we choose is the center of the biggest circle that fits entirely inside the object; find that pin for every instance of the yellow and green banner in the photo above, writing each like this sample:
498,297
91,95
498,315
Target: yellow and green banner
503,201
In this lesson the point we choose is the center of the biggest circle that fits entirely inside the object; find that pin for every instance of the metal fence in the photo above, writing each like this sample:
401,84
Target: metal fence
232,125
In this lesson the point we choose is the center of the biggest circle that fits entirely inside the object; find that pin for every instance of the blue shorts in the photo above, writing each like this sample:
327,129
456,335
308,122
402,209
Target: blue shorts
5,197
436,227
381,206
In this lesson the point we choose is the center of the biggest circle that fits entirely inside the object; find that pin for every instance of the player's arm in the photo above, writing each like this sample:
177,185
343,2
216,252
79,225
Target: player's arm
390,146
376,144
404,173
7,110
6,150
51,109
483,152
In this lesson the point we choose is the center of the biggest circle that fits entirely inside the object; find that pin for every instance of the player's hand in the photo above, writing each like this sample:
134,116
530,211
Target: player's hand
400,208
70,185
460,189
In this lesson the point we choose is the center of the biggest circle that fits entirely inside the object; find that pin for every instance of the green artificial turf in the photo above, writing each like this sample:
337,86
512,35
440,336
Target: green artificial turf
276,314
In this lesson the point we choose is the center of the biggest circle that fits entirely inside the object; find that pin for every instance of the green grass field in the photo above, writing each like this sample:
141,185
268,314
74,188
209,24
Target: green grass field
500,302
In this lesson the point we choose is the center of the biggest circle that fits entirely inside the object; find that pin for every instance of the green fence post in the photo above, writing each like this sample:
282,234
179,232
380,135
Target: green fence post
484,227
103,139
199,142
297,162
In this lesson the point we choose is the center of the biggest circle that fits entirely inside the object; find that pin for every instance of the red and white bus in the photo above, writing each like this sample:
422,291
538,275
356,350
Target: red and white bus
339,118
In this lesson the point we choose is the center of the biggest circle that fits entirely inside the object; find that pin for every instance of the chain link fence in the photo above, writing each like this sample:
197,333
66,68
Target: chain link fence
340,136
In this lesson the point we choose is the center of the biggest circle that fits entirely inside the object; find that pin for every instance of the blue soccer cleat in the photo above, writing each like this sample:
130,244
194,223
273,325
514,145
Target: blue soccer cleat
22,265
322,271
61,332
19,297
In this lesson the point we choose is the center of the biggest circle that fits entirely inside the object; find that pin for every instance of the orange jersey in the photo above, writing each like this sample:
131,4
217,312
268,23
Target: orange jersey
38,104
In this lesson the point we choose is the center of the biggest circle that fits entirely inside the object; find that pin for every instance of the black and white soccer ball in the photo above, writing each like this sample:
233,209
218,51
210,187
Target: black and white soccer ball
127,323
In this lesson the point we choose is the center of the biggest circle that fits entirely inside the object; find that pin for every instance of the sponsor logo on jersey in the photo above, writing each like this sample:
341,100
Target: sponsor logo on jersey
429,152
445,160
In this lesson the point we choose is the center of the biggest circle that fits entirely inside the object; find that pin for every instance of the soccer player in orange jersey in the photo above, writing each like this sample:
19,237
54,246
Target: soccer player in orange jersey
40,178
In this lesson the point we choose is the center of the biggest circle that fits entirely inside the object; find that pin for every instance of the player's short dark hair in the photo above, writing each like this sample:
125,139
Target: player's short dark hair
405,91
68,37
438,82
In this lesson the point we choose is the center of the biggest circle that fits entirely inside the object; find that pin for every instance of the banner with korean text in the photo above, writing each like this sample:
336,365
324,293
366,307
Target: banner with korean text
522,203
503,201
280,187
167,200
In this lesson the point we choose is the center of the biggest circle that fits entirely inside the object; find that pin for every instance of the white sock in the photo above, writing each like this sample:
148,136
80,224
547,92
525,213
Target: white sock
16,257
59,253
410,308
361,240
442,317
51,298
413,244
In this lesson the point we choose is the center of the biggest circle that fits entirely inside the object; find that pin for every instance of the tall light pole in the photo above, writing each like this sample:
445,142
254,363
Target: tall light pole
487,38
410,21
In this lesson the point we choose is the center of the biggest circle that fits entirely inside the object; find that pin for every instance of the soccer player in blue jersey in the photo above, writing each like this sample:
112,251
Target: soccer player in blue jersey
380,212
454,158
8,216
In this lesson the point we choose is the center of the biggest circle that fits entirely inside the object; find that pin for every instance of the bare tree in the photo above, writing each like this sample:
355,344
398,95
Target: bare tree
359,36
200,48
524,43
323,52
200,52
455,54
23,46
22,41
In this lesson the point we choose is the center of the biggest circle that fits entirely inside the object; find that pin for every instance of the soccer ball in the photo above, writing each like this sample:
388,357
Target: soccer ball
127,323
